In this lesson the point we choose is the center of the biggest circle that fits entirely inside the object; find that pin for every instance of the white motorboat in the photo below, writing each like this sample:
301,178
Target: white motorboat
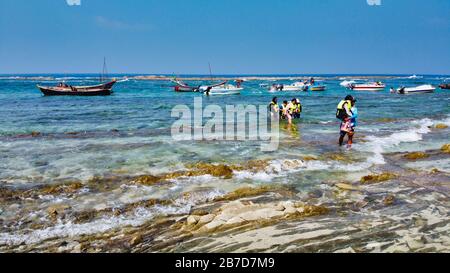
224,89
296,86
426,88
373,86
347,84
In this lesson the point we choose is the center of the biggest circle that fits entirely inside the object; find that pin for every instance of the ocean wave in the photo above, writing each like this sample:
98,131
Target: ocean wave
413,77
381,144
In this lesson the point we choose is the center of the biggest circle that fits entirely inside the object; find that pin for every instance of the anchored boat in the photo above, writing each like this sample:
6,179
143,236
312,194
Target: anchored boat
426,88
221,89
182,87
376,86
445,86
63,89
296,86
318,88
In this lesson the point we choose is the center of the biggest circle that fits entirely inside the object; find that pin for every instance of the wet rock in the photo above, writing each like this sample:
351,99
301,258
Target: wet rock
347,187
252,165
244,192
373,179
446,148
205,219
315,194
416,155
35,134
239,213
337,157
199,212
345,250
414,244
136,240
66,188
389,200
57,210
441,126
219,170
309,158
291,210
287,204
193,220
212,226
147,180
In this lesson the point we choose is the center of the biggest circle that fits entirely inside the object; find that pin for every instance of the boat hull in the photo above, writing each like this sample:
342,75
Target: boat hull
444,86
93,92
184,89
417,90
368,88
224,91
317,88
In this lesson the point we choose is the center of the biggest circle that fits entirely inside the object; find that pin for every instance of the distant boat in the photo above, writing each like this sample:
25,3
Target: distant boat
317,88
347,84
63,89
296,86
445,86
426,88
182,87
221,89
376,86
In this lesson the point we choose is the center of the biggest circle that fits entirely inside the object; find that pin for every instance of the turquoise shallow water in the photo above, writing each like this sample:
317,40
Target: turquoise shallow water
128,134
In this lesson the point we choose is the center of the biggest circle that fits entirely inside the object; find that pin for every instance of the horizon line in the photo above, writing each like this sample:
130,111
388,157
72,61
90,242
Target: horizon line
224,74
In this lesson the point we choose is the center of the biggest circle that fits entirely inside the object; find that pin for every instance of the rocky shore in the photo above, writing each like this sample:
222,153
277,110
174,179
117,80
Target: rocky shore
385,211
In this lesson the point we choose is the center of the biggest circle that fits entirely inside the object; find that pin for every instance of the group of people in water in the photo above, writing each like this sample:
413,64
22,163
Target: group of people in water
346,112
289,110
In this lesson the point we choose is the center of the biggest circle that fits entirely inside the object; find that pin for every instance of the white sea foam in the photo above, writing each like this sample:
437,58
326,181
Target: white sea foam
69,229
381,144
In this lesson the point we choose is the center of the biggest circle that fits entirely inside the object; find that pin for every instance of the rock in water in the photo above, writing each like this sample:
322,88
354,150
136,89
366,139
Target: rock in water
446,148
372,179
389,200
347,187
416,155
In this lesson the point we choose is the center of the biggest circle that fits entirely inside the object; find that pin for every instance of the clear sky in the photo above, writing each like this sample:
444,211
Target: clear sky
235,36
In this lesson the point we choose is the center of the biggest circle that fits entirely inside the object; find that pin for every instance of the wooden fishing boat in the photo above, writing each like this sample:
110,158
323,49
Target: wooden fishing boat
63,89
182,87
67,90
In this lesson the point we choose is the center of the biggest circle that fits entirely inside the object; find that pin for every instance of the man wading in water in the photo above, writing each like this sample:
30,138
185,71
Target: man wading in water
348,119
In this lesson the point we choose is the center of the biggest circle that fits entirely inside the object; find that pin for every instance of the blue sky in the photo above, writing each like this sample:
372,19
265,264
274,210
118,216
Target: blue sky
235,36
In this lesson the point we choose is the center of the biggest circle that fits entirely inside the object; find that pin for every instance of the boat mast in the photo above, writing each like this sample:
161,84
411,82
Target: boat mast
105,71
210,71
